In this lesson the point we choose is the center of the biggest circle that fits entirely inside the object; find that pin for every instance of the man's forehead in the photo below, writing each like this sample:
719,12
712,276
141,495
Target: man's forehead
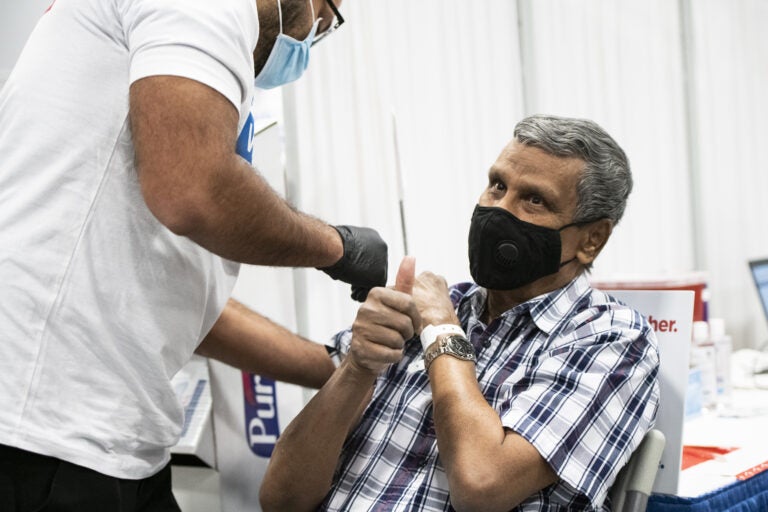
524,159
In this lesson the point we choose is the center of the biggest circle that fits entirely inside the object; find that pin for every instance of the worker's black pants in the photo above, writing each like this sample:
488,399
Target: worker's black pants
30,483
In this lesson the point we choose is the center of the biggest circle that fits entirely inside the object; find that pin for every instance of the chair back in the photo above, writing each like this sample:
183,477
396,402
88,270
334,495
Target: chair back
634,483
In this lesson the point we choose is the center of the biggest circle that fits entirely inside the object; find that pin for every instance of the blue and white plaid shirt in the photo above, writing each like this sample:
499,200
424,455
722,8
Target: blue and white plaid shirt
572,371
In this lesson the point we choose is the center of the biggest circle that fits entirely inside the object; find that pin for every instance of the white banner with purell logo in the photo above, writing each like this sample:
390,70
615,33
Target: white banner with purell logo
249,413
670,313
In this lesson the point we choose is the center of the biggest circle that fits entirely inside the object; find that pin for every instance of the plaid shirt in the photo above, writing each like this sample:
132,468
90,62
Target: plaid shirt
572,371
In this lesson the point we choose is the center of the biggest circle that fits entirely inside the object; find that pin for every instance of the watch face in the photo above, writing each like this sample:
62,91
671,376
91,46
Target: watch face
454,345
459,346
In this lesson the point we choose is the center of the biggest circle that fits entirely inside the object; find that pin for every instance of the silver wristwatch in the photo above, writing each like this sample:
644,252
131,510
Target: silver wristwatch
452,344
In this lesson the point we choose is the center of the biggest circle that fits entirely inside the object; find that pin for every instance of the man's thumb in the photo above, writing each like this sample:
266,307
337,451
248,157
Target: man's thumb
406,275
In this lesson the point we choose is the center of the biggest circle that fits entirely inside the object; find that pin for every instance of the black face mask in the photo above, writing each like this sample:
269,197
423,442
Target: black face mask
506,252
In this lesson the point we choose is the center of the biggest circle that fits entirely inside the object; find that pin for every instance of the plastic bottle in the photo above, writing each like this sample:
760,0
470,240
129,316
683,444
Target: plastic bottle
703,359
723,348
705,296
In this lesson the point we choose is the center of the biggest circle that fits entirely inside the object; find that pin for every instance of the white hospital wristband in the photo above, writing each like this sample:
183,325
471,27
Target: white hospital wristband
430,333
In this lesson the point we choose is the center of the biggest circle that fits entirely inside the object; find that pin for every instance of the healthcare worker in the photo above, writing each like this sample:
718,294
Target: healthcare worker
127,202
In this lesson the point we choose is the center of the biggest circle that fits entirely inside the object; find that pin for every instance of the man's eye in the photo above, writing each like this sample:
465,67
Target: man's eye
537,200
497,185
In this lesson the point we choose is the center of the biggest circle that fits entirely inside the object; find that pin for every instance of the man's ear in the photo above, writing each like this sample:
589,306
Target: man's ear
594,236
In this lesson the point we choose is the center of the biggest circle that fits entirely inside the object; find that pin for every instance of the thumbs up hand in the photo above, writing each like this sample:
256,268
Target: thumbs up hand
406,275
384,322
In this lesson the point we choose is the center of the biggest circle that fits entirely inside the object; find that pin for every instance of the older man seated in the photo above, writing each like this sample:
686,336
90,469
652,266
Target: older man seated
527,390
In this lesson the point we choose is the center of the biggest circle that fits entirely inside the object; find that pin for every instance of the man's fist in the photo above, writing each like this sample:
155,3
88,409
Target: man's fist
384,323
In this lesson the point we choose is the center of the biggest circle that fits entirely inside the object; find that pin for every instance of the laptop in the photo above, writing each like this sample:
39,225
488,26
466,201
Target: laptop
759,269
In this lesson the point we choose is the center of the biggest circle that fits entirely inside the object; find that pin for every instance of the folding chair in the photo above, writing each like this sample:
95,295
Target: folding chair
633,485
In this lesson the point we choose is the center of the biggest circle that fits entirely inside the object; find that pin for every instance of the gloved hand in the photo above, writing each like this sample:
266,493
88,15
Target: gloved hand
364,263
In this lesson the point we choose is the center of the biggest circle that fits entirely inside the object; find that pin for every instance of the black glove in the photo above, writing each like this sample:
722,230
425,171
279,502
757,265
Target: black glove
364,263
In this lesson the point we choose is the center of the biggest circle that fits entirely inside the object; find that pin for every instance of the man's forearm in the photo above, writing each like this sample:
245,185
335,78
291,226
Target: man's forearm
488,467
465,427
301,469
248,341
305,457
241,218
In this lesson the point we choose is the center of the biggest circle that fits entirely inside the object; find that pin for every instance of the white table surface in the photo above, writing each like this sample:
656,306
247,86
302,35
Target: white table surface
742,425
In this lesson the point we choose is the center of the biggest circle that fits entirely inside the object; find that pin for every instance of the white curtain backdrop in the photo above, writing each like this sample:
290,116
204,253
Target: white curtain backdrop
730,80
678,84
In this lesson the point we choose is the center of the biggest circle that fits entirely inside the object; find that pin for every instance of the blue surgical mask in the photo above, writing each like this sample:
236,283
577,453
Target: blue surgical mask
287,60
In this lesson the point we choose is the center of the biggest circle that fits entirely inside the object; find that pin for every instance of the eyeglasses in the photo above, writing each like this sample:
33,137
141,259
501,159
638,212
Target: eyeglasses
336,22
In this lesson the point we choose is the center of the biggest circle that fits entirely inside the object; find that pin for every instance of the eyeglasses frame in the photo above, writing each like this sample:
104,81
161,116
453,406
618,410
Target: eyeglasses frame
339,22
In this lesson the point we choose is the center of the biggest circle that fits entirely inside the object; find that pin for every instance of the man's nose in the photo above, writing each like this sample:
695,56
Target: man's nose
507,202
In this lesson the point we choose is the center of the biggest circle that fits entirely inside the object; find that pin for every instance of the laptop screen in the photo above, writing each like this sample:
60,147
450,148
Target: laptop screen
759,270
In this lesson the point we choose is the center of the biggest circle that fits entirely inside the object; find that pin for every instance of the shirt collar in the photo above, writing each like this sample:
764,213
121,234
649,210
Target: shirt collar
547,310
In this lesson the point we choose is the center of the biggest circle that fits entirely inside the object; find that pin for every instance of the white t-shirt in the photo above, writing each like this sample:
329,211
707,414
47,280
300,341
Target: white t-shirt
100,304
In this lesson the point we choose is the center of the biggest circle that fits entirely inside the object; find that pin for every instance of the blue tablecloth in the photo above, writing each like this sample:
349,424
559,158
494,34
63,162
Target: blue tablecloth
745,496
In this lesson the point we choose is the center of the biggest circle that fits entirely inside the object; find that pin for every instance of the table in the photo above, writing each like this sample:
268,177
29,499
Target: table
733,481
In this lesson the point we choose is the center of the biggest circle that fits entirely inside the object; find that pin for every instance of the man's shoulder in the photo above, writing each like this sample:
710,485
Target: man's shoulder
597,305
596,315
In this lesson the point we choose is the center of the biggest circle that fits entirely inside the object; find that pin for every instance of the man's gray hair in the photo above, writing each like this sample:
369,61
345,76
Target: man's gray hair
606,180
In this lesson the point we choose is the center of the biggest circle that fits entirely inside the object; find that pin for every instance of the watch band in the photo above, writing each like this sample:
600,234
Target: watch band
451,344
430,333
